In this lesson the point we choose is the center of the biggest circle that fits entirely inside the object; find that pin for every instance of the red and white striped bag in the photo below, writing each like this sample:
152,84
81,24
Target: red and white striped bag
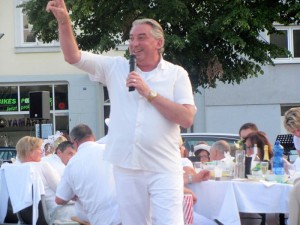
188,209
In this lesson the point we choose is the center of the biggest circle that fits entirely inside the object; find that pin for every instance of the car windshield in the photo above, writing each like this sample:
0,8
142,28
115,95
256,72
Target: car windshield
192,139
7,153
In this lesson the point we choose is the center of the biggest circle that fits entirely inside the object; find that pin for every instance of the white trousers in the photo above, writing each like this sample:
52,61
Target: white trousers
149,198
294,204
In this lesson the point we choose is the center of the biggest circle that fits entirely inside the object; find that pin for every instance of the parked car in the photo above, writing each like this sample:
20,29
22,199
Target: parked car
192,139
7,153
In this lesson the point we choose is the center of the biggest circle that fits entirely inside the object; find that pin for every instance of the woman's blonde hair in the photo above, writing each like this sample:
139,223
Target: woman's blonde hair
58,141
292,119
26,145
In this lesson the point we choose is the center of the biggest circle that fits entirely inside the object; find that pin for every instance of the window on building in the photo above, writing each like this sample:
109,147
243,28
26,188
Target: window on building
25,41
290,40
14,109
9,100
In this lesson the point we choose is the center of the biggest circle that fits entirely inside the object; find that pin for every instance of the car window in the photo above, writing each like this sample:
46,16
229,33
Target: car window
6,153
190,140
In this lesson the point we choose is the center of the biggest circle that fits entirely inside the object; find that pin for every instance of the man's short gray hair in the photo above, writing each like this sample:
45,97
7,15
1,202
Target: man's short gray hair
157,31
221,146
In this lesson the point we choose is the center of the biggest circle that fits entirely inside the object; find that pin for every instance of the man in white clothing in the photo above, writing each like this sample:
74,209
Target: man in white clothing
59,160
88,179
142,141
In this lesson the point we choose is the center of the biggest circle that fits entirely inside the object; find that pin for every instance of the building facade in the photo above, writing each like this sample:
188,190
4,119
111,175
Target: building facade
262,100
27,65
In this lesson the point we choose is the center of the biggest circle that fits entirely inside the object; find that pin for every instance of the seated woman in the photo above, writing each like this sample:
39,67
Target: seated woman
184,155
202,150
29,150
259,138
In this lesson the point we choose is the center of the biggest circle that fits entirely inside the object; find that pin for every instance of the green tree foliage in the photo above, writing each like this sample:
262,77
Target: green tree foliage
212,39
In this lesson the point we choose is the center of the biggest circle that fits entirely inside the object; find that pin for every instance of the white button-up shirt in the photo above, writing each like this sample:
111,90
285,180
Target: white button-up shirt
91,179
139,136
55,162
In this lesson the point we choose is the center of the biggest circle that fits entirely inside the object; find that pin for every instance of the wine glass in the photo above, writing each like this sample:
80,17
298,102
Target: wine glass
264,168
291,169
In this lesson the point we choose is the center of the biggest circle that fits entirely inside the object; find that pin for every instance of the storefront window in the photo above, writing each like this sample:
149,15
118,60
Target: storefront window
8,99
15,121
61,97
24,95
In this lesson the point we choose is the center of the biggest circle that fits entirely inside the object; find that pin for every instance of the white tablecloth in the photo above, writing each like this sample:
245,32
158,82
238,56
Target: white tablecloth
223,200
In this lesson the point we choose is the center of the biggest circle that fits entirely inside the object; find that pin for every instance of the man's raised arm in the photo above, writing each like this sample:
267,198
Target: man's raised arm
66,36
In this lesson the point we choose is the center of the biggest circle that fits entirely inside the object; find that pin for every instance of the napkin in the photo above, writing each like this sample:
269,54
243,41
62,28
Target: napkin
228,161
268,183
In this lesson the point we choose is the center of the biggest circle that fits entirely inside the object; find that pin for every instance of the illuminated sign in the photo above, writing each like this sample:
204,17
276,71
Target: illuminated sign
11,104
8,104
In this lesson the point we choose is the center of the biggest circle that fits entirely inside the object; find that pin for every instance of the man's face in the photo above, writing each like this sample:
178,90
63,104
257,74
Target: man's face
249,147
143,44
66,155
244,133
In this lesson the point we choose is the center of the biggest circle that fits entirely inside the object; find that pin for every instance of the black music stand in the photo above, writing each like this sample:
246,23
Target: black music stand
287,142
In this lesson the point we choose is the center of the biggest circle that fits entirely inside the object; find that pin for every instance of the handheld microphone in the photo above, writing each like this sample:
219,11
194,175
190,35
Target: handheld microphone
132,62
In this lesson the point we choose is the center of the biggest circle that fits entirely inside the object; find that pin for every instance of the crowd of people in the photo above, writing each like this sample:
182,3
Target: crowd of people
68,181
136,175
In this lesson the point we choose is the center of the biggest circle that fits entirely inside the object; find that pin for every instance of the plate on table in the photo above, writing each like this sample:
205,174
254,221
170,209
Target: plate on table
277,178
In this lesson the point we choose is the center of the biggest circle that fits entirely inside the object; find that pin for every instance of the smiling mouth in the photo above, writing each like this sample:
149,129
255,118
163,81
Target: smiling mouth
137,51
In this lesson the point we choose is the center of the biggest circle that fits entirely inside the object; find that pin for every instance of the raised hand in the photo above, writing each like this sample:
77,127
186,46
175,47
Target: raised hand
59,10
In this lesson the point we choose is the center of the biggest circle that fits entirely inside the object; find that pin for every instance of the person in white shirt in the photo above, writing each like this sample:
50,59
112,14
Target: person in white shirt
294,204
218,150
89,180
51,143
292,124
63,153
61,157
145,122
29,150
184,159
202,151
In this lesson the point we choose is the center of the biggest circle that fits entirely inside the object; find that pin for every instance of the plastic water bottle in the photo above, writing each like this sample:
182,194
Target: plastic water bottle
278,167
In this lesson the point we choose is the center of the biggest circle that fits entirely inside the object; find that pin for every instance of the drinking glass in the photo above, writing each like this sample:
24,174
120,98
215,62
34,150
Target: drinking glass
264,168
218,172
291,169
239,171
